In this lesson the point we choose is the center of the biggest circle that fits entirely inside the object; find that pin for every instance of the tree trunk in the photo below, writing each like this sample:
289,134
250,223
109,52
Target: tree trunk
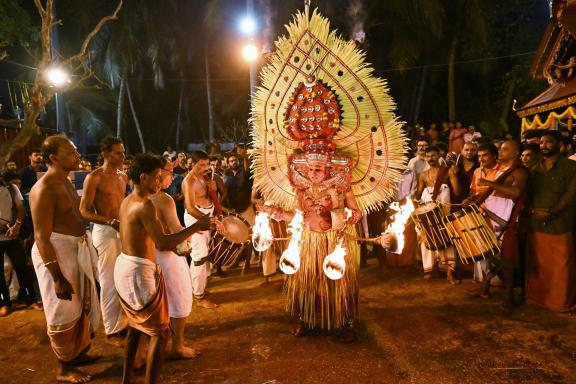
451,93
120,106
179,116
209,97
135,117
507,106
38,100
420,94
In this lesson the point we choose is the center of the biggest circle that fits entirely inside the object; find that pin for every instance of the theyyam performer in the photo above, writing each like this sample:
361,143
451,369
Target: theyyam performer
327,148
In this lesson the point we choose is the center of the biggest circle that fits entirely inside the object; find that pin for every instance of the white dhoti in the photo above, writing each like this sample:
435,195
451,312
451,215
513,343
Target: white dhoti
445,258
107,242
142,292
497,211
178,283
70,322
200,266
135,280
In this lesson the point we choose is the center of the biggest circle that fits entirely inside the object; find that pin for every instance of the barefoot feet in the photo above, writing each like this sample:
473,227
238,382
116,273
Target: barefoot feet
205,303
72,375
184,353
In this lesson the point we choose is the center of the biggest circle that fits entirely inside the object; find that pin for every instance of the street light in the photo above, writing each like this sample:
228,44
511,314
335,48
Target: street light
57,77
248,25
250,52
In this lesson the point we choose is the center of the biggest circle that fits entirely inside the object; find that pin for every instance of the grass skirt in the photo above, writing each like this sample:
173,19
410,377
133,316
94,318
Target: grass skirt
315,299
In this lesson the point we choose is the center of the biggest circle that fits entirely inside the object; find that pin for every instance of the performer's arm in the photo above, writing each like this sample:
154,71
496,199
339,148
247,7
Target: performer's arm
149,218
453,176
222,190
567,198
351,204
43,206
513,190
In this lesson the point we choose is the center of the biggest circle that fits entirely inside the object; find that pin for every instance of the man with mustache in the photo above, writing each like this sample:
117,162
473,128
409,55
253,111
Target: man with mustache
551,259
197,188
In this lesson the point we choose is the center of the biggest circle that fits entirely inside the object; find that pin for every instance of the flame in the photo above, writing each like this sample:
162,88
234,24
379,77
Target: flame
262,237
334,264
396,227
290,260
348,213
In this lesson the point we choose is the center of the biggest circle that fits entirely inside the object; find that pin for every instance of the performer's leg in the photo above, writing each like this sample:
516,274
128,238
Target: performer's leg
427,261
155,357
132,342
179,350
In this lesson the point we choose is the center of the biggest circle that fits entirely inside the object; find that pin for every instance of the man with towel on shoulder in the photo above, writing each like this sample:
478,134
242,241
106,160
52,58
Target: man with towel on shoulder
137,277
64,260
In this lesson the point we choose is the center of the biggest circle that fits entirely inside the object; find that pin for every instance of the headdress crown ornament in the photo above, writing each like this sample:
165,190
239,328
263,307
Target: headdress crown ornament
318,96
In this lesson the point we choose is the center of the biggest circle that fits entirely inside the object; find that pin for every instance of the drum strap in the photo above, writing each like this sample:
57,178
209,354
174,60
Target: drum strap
502,224
439,179
200,262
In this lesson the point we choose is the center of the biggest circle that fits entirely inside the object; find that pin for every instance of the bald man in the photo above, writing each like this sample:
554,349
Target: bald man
64,260
502,209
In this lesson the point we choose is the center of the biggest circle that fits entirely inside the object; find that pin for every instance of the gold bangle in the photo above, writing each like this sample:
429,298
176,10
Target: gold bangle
46,264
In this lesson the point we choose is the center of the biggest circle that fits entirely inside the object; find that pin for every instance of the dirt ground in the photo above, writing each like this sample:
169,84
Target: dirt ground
410,331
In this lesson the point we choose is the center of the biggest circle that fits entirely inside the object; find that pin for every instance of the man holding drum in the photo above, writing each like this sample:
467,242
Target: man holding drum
435,184
198,188
502,208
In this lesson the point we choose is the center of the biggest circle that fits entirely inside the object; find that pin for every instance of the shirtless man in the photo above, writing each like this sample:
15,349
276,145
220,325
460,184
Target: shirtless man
64,260
197,201
137,277
104,190
437,180
174,266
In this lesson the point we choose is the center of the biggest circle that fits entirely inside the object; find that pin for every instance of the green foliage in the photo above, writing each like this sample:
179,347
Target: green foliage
16,26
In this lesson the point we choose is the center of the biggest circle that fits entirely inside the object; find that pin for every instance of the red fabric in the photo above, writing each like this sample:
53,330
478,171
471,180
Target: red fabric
551,271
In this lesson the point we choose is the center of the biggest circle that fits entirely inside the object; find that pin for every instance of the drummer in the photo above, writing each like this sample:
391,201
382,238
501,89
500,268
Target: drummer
196,188
435,184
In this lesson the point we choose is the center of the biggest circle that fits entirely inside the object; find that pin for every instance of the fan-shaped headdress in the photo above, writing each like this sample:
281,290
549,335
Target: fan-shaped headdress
320,102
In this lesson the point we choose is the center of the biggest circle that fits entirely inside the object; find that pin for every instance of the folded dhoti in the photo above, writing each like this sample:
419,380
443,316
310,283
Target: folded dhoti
200,241
178,283
142,292
107,242
70,322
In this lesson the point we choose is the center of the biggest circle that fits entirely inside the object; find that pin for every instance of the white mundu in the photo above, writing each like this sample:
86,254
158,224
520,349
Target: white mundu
135,280
77,260
178,283
446,257
107,242
200,242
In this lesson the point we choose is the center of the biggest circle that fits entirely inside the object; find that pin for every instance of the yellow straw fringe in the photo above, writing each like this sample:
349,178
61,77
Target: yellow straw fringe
313,298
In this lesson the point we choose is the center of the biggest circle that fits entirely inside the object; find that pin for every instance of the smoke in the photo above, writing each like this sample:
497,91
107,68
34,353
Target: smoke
267,28
356,16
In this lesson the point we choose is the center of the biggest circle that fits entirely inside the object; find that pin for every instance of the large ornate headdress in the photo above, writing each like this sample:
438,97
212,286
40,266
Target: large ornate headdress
320,102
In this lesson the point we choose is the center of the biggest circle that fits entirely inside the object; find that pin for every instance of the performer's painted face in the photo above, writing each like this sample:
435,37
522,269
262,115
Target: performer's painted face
316,172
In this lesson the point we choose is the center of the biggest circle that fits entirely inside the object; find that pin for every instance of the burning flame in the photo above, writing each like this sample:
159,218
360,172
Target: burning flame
396,227
262,237
290,260
334,264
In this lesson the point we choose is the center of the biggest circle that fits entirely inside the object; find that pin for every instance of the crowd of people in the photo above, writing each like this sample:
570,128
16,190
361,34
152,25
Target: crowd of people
526,191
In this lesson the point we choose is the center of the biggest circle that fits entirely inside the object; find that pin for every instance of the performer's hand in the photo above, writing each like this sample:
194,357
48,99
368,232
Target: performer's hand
220,228
64,290
386,240
13,231
356,217
203,224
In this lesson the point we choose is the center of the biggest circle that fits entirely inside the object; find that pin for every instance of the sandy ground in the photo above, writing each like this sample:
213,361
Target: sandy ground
410,331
